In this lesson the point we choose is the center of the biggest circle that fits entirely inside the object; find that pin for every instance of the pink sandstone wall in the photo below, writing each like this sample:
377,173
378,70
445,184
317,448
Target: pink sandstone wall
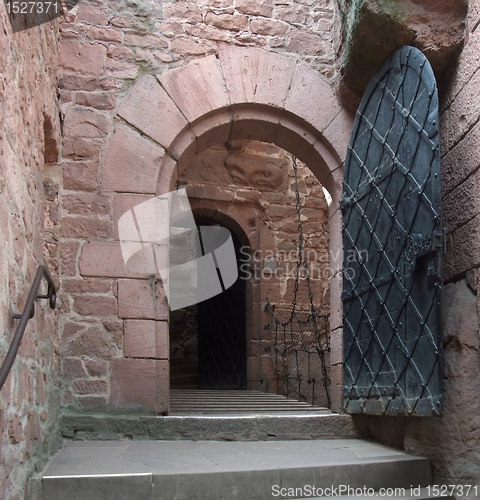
452,440
104,50
29,137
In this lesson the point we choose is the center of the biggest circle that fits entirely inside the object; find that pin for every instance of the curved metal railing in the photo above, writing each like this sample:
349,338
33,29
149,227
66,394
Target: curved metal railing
28,313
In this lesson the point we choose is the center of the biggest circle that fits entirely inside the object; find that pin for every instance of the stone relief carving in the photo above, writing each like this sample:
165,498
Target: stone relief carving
258,172
260,168
217,175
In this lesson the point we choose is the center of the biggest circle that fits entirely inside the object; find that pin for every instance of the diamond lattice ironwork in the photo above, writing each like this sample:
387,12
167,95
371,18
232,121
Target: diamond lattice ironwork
222,339
393,243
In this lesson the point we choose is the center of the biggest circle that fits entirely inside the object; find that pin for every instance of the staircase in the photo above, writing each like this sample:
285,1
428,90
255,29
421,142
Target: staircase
222,446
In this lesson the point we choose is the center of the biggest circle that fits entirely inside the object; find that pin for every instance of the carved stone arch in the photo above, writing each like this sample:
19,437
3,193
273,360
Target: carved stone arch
242,93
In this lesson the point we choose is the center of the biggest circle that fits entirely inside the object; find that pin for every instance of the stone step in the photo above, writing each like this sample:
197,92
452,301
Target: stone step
212,470
223,401
273,425
212,415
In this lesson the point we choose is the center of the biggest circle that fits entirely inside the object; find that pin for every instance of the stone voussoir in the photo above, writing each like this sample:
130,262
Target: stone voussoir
197,87
149,108
256,76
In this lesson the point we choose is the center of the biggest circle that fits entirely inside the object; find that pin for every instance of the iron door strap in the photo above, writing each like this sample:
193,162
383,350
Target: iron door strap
393,226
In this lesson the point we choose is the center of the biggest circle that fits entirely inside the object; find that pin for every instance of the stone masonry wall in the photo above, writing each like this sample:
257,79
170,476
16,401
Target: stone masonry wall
29,138
104,49
452,440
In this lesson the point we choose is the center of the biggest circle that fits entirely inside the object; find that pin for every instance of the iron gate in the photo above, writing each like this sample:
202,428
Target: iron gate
393,244
222,343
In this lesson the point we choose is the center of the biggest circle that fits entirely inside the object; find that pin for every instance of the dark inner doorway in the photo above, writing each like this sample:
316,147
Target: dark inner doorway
208,341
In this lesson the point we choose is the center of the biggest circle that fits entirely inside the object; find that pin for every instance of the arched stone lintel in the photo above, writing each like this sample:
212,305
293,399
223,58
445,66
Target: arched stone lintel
253,121
203,102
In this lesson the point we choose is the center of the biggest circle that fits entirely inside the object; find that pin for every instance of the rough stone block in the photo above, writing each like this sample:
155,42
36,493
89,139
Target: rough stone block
95,305
83,58
94,341
73,368
131,162
97,100
96,367
307,44
69,257
151,41
146,339
120,52
232,22
262,8
121,69
104,34
270,27
137,300
92,14
80,148
185,47
86,204
140,383
197,87
77,82
104,259
81,176
85,228
254,75
294,14
150,109
89,386
86,285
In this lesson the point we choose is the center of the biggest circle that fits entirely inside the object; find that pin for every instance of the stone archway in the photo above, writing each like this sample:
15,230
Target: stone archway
242,93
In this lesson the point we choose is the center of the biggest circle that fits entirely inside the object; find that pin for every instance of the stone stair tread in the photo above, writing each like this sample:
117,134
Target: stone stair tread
179,457
234,401
201,470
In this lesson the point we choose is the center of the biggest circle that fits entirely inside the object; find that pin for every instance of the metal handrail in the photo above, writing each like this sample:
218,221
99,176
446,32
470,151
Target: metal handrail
28,313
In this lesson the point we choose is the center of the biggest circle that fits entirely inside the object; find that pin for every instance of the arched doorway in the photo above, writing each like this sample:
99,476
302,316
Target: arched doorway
175,122
208,341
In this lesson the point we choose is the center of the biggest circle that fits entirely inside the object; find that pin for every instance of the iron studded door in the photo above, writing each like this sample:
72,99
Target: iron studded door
393,242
